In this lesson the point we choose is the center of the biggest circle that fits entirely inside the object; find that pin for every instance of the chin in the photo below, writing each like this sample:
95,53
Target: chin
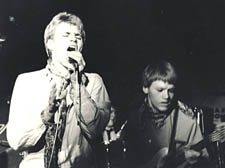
163,109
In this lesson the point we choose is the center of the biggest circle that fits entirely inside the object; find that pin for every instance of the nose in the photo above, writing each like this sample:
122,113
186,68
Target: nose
73,38
166,94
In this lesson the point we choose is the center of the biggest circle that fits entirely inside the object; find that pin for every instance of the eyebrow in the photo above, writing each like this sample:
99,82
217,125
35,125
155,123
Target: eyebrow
67,33
162,87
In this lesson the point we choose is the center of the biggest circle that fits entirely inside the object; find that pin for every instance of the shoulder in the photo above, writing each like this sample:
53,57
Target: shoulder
31,78
185,110
93,76
29,83
94,79
32,75
188,129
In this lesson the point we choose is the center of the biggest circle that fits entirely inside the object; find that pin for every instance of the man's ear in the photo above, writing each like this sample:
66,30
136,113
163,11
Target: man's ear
145,90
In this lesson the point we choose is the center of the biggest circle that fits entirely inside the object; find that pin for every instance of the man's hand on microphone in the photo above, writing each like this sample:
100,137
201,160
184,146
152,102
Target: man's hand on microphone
76,59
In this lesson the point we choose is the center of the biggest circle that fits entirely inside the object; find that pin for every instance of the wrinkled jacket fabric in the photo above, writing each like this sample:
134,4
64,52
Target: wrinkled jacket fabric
26,129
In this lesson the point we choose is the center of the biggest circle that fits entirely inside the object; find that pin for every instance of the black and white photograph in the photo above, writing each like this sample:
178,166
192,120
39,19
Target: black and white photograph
112,84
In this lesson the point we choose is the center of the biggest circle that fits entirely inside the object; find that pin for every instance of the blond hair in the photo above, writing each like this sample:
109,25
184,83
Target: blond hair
62,17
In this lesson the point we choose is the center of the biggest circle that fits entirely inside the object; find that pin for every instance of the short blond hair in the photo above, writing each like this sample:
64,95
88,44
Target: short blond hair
62,17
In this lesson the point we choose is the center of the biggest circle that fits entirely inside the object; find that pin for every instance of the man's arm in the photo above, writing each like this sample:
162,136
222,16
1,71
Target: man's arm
93,108
25,126
191,154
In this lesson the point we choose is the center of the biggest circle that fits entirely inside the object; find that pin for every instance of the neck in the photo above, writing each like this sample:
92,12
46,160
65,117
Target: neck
58,69
154,110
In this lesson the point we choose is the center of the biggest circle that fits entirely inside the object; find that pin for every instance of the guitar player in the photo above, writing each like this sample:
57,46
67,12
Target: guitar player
161,130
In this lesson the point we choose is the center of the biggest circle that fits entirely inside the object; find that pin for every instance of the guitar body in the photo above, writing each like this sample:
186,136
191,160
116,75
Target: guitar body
158,158
164,160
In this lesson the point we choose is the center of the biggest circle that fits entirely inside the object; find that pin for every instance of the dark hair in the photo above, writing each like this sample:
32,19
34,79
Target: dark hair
159,70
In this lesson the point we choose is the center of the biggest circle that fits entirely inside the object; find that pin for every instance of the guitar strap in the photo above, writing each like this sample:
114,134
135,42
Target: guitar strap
174,128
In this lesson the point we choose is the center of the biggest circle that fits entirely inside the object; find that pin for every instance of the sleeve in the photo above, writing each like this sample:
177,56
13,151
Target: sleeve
188,131
25,126
94,109
196,142
195,135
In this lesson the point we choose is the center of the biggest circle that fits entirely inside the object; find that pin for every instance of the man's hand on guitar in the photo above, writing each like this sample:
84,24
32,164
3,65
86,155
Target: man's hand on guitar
191,156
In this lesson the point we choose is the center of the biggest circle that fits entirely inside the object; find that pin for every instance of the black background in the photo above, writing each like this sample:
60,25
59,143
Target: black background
122,37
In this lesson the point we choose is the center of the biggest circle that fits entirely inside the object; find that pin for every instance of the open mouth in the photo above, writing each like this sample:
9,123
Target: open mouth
71,48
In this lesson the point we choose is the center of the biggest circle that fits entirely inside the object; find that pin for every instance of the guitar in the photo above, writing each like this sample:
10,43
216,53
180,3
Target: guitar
164,159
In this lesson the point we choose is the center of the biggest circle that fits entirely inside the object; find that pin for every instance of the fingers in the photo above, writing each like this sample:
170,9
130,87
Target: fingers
204,153
78,57
192,156
62,95
56,96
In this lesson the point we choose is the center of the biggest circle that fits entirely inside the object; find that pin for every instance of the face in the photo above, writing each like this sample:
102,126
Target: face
160,95
65,36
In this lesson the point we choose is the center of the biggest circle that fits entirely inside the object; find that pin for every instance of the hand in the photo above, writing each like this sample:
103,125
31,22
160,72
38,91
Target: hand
56,96
78,57
74,78
55,101
191,156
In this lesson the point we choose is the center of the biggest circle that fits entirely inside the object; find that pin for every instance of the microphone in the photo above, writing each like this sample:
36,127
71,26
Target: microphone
75,64
72,61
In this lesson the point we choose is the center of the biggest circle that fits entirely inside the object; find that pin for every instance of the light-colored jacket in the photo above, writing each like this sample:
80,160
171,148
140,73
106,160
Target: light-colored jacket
26,129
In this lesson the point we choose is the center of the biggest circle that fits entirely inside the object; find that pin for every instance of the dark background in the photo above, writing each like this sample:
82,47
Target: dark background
122,37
